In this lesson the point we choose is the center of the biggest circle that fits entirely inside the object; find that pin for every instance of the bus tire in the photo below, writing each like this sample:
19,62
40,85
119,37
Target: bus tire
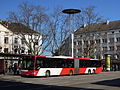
70,73
47,74
89,72
93,71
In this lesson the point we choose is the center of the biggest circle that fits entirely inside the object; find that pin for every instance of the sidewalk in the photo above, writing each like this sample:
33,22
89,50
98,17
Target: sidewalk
8,74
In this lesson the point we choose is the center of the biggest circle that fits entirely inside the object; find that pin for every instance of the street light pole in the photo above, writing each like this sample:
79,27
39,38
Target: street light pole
71,12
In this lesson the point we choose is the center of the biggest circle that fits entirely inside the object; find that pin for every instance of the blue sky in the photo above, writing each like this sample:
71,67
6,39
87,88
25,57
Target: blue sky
107,8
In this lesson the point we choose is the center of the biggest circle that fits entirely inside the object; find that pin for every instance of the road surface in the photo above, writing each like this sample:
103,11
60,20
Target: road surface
101,81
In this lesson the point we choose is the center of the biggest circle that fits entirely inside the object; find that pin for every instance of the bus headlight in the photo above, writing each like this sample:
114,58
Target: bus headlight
34,73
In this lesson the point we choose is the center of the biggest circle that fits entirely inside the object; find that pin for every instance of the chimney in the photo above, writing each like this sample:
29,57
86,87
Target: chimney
83,26
0,20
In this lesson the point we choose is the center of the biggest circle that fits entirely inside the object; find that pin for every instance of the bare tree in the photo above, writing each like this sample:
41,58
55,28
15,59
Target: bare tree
59,29
90,22
54,28
36,18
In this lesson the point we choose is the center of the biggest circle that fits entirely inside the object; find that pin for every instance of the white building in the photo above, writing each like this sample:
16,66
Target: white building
16,38
95,40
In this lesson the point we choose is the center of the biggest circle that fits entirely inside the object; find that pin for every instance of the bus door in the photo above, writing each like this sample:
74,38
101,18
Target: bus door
76,66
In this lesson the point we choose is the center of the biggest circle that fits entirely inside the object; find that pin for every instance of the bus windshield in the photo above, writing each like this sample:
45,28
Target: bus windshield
28,63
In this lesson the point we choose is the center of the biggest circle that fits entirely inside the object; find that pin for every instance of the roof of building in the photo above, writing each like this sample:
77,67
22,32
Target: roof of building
16,27
106,26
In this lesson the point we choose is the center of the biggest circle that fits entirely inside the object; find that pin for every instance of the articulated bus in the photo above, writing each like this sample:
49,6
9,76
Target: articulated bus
58,65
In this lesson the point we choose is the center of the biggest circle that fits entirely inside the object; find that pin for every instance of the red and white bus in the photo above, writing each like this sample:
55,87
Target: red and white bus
49,66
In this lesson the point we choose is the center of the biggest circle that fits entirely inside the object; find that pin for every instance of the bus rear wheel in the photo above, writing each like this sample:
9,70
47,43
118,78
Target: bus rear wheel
89,72
93,71
47,74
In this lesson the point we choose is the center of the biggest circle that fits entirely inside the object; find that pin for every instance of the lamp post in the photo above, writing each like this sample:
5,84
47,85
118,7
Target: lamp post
71,13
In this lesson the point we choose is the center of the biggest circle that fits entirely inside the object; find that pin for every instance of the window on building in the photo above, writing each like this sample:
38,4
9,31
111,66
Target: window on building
92,42
112,31
118,48
16,41
29,51
80,50
111,40
5,50
112,56
104,40
36,42
75,51
98,41
104,49
15,49
79,42
98,56
85,42
22,41
22,50
111,48
15,46
118,39
74,43
105,32
6,40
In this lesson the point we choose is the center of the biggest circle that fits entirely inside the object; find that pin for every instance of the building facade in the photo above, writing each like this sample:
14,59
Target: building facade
16,38
95,41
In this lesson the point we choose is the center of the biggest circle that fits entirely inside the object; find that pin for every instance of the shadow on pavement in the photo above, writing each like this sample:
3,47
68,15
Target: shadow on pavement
113,82
13,85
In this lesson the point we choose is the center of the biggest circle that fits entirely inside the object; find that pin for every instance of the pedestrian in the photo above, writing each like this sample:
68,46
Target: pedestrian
10,69
15,68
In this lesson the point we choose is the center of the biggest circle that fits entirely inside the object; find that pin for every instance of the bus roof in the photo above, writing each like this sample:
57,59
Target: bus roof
64,57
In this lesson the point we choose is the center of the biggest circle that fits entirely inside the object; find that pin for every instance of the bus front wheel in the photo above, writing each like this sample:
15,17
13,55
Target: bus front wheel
47,74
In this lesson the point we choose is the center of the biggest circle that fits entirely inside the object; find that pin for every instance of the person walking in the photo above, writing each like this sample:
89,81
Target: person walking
15,68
